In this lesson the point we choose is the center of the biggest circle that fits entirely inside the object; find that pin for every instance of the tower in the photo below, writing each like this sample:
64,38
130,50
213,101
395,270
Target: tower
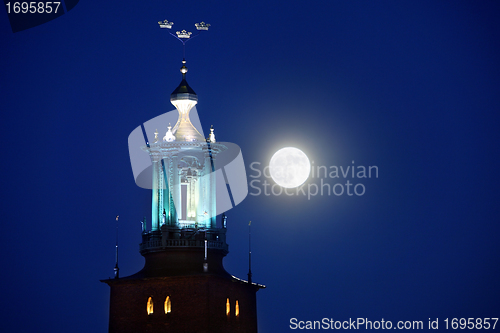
183,286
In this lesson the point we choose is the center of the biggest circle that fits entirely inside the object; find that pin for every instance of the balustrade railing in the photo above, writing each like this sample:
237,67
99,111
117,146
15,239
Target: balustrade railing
158,244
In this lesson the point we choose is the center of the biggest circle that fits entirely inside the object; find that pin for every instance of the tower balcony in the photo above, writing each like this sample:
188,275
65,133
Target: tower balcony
154,245
174,238
174,251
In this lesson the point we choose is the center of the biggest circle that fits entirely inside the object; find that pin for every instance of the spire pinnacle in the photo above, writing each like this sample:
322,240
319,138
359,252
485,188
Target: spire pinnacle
211,137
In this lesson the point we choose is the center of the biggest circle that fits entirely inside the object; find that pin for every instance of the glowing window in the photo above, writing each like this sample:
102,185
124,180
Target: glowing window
168,305
150,305
228,307
237,309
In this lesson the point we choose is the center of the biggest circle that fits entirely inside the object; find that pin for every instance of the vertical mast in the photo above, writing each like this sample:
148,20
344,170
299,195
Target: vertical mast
116,269
249,252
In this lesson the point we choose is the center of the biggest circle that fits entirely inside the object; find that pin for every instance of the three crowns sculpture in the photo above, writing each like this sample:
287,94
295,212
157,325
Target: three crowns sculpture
183,35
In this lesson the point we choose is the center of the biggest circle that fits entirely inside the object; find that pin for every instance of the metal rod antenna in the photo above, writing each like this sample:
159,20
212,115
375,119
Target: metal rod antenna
205,261
116,269
249,252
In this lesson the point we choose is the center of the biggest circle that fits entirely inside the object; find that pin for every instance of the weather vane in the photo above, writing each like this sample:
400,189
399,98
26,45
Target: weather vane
183,36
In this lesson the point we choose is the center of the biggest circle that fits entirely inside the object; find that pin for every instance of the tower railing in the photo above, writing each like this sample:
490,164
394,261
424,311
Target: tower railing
158,245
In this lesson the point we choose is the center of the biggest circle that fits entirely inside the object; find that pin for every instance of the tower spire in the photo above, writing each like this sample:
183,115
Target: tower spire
184,98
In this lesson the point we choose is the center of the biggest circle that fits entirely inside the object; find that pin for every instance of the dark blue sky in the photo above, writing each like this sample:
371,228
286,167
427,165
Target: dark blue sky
411,87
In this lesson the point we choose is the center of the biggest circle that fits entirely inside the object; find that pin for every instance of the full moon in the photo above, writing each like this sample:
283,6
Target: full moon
289,167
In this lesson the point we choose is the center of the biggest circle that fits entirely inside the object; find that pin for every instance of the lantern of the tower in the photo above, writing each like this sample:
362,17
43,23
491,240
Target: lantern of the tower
183,165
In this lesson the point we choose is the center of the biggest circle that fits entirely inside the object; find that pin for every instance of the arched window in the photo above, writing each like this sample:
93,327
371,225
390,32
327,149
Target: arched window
228,307
168,305
150,305
237,309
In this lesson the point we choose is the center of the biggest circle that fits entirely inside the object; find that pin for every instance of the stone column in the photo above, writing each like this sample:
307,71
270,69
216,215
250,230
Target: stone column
213,195
167,163
156,191
176,186
207,197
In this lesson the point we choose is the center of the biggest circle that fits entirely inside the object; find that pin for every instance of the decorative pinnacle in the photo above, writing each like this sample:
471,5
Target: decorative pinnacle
201,26
211,137
166,24
169,136
183,34
184,69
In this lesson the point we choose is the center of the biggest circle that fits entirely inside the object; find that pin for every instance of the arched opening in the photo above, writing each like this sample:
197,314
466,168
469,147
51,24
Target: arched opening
168,305
237,309
228,307
150,305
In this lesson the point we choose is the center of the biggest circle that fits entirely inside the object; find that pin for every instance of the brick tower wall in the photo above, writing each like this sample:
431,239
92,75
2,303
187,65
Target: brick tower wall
198,304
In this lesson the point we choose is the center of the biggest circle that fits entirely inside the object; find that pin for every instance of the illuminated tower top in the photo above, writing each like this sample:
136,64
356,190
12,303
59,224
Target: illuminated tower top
184,231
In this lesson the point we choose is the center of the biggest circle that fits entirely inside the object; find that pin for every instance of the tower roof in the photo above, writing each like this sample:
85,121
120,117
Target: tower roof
183,88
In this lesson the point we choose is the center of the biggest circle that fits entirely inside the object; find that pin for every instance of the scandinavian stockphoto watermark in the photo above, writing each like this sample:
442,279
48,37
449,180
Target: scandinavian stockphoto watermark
381,324
323,180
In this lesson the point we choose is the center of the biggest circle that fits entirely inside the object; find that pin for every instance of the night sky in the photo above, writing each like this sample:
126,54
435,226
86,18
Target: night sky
410,87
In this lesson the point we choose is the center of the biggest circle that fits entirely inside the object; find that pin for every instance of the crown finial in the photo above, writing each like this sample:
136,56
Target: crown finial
165,24
201,26
184,34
